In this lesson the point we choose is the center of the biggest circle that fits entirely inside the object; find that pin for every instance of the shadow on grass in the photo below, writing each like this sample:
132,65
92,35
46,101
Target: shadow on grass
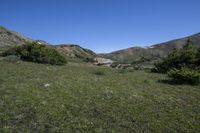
169,81
175,82
99,72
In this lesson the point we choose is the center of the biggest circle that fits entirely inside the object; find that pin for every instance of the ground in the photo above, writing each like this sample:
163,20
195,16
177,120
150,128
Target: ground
84,98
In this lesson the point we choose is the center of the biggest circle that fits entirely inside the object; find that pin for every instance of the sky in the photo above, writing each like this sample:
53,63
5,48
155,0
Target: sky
102,25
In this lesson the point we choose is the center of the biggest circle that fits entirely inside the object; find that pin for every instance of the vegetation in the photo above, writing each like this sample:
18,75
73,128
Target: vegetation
99,72
182,64
89,59
77,100
4,48
197,61
76,53
37,53
153,52
11,58
185,75
83,98
177,59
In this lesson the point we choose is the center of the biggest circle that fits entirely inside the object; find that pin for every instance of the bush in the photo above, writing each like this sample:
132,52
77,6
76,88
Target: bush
185,75
37,53
11,51
99,72
89,59
197,61
11,58
122,71
182,65
179,58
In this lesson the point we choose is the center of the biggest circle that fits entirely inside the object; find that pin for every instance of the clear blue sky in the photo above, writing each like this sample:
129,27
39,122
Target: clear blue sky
102,25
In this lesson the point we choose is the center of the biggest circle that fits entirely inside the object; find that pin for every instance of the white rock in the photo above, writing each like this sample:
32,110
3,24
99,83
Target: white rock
46,85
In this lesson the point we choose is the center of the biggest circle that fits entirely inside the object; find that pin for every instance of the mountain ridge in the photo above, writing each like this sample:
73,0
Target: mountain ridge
10,38
155,51
152,52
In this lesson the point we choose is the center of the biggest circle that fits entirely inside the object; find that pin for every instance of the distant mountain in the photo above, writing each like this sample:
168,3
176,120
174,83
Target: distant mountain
10,38
152,52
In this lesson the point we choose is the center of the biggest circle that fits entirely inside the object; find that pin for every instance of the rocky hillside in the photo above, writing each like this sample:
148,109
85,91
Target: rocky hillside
10,38
75,51
152,52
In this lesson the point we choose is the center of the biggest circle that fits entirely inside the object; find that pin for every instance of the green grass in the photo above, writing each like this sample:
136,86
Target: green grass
99,72
78,100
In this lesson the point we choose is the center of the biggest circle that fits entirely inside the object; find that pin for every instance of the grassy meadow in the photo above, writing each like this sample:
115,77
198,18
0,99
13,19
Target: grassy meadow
87,99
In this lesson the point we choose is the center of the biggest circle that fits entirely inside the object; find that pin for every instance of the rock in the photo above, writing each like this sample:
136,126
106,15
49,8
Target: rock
103,61
46,85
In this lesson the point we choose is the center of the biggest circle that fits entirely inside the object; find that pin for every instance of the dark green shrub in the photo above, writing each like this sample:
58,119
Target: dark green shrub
185,75
89,59
99,72
11,58
122,71
179,58
182,65
11,51
37,53
141,60
197,61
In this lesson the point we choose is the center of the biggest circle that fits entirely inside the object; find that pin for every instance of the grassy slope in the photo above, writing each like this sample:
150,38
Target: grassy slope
80,101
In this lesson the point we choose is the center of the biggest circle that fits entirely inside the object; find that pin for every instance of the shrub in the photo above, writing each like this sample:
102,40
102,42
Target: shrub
177,59
182,65
185,75
197,61
89,59
99,72
11,51
37,53
184,57
11,58
122,71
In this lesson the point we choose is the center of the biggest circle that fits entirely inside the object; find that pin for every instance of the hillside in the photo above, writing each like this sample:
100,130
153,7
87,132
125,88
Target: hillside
75,51
152,52
10,38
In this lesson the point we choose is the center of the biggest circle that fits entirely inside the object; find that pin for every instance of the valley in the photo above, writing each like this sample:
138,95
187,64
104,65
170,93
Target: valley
114,92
